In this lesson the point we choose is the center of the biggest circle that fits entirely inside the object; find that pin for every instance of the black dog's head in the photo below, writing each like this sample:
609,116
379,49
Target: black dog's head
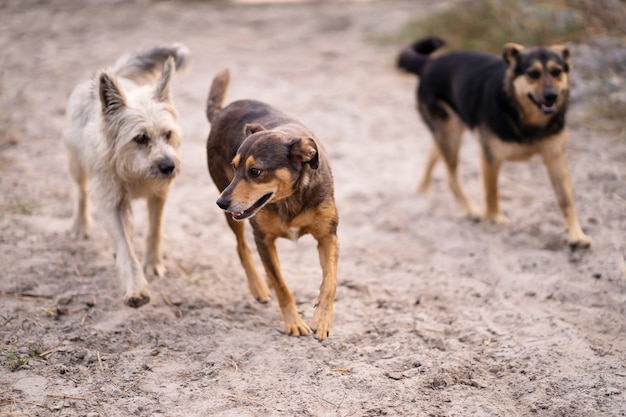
538,78
267,165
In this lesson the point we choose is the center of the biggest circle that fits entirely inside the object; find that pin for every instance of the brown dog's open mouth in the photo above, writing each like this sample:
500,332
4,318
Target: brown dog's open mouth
249,212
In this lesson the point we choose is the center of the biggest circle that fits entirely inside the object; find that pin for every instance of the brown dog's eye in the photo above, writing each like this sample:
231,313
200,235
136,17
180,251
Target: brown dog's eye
142,139
534,74
556,72
254,172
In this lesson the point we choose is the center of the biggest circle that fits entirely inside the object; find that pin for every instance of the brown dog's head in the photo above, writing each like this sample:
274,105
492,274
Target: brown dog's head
268,165
538,78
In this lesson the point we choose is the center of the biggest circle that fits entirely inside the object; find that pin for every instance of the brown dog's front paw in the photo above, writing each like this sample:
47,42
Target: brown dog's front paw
295,326
137,299
300,329
321,323
321,333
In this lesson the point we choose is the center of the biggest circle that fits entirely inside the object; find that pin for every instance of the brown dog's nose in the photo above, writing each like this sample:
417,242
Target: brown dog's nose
223,203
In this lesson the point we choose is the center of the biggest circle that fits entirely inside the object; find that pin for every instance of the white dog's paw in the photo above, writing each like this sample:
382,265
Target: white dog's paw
81,229
136,299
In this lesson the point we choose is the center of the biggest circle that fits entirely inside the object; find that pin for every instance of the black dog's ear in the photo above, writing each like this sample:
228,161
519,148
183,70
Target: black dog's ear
510,53
564,52
252,128
111,95
305,149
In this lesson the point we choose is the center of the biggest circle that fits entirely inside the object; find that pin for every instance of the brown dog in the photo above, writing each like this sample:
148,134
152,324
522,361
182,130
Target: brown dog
516,103
274,171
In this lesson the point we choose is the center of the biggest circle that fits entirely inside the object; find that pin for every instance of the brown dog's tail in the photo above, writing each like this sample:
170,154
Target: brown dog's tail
145,67
413,57
217,93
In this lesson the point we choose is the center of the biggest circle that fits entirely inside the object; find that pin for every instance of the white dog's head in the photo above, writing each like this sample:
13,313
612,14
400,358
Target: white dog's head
140,124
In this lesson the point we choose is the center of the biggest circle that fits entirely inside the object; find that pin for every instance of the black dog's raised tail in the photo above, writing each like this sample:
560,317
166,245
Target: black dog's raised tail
217,93
413,57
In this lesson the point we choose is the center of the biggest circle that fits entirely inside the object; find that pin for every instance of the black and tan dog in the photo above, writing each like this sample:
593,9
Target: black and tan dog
516,103
274,171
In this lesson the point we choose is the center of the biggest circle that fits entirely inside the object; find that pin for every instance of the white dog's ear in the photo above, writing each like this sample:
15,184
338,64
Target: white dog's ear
162,92
111,95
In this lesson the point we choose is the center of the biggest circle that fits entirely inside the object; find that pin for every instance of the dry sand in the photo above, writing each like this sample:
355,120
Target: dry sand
435,315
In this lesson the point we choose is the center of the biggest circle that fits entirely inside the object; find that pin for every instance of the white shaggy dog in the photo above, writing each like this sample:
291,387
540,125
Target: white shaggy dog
122,134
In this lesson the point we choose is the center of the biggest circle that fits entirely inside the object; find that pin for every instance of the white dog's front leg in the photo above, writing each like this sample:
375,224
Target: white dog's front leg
153,263
129,268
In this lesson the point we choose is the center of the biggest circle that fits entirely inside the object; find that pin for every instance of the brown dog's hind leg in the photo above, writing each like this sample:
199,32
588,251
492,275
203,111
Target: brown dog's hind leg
258,286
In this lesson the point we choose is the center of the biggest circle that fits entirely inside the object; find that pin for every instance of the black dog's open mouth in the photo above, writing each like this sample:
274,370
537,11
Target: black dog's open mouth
548,108
249,212
545,107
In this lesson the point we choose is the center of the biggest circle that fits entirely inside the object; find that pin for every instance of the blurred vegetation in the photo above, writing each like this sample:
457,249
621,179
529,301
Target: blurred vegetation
488,24
604,114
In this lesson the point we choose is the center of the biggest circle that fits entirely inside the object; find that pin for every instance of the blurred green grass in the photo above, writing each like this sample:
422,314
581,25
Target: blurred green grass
487,25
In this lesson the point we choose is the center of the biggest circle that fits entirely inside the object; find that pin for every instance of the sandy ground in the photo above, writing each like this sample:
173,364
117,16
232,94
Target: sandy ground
434,315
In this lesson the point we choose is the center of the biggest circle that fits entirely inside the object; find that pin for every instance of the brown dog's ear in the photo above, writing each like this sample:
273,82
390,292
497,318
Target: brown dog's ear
564,52
305,149
252,128
511,52
162,91
111,95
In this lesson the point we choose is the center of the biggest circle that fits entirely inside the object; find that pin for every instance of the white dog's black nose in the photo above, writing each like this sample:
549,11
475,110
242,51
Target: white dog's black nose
166,167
